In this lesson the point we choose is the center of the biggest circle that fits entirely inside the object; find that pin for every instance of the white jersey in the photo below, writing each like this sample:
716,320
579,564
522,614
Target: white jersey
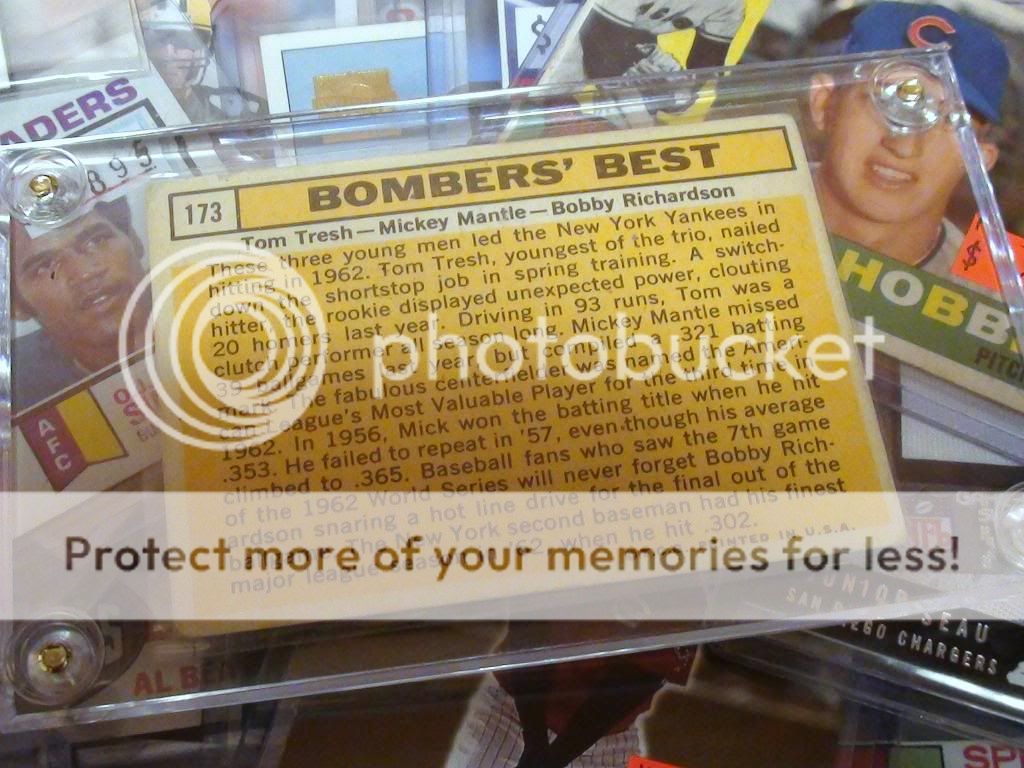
491,736
942,260
717,19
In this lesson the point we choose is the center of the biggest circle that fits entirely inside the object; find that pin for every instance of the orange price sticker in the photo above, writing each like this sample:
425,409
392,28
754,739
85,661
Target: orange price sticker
637,761
974,261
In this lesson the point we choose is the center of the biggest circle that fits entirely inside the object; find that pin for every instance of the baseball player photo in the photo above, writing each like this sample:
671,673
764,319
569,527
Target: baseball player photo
620,37
82,38
646,38
900,195
891,192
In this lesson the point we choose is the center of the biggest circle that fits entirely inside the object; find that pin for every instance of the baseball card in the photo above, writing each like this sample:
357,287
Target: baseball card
898,211
84,40
5,75
483,242
292,62
961,387
525,26
121,105
877,737
528,67
75,427
976,427
341,67
179,42
616,38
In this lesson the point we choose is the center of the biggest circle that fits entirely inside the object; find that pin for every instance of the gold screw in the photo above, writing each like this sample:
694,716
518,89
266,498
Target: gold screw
910,91
44,185
54,658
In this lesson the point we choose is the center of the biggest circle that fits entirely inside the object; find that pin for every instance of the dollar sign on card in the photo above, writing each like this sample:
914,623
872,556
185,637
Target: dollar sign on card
543,41
972,255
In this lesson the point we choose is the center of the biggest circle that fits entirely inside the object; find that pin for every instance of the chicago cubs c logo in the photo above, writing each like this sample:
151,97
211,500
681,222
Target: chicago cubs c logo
918,26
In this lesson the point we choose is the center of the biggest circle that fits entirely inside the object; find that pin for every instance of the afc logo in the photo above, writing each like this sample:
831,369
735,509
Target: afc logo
915,32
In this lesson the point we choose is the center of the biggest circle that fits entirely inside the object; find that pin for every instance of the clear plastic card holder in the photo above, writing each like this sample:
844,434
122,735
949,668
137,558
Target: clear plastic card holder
882,738
434,385
672,707
89,41
872,672
296,57
253,735
550,23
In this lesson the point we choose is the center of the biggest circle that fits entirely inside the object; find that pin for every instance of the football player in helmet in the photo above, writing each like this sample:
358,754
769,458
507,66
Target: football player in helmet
181,52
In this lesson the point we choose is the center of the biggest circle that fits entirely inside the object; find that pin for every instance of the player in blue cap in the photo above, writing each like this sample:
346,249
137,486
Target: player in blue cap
890,192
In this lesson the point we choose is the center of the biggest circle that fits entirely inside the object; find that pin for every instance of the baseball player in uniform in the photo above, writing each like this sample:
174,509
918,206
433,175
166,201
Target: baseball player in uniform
887,191
892,193
620,37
